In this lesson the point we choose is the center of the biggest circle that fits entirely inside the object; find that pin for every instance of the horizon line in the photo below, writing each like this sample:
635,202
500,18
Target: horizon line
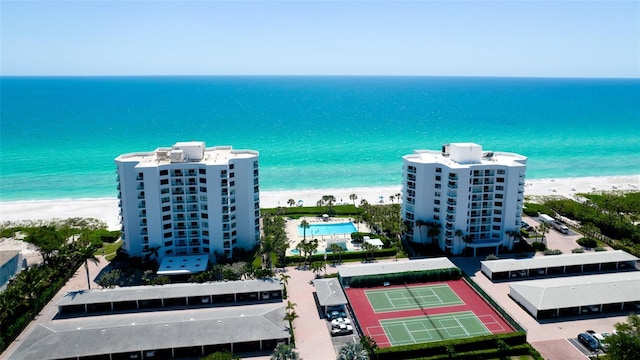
308,75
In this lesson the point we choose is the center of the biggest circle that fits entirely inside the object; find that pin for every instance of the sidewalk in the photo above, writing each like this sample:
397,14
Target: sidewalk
77,282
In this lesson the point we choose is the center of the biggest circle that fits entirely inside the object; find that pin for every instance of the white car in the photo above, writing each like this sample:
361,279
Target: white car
340,321
342,330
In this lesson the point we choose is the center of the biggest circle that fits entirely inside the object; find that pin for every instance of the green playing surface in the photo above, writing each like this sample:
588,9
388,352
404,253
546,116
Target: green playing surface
421,329
415,297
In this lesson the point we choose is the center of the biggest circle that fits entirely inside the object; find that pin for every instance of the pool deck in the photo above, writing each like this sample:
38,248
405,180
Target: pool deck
294,238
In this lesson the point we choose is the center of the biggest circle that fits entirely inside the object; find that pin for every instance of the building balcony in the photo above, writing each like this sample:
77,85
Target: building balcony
452,194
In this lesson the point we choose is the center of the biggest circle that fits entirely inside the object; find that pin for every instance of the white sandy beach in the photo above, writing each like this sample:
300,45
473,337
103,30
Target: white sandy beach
107,209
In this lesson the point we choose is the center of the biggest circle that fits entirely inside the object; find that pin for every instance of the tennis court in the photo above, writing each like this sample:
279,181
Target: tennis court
422,329
412,297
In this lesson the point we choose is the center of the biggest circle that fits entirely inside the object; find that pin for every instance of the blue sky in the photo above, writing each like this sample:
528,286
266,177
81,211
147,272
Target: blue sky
436,38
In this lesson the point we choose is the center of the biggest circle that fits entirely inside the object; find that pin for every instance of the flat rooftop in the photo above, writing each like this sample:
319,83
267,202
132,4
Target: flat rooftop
169,291
505,265
394,267
211,156
566,292
154,330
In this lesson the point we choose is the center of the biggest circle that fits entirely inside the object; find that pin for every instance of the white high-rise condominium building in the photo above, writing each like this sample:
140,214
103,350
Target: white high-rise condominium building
463,197
189,200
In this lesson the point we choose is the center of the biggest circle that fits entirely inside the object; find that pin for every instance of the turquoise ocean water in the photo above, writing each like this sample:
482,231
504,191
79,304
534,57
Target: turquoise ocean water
59,135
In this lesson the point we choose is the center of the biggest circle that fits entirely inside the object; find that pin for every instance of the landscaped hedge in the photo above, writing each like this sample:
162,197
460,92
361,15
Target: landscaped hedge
298,211
406,277
470,348
349,255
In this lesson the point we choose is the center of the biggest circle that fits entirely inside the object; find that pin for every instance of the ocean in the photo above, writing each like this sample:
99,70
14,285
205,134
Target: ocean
60,135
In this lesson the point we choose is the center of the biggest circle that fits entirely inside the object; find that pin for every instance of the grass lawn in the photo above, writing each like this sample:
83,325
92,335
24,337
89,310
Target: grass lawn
109,249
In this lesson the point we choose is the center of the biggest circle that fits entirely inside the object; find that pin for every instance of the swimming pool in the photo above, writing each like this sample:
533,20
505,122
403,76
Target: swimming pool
328,229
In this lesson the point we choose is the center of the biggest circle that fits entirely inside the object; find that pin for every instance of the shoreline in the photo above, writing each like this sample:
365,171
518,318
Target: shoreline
106,209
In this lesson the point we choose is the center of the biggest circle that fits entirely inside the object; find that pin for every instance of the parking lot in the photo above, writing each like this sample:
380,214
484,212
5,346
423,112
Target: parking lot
554,339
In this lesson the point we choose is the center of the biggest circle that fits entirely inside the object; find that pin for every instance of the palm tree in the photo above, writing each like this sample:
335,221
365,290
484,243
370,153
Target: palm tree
512,235
284,279
300,248
398,197
368,249
84,249
419,225
291,202
468,239
353,197
335,250
458,233
543,229
266,248
305,225
329,200
433,230
284,352
353,351
369,345
290,314
317,267
391,198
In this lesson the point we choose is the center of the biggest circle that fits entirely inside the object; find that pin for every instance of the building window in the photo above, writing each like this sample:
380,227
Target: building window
167,235
437,193
438,178
165,199
438,169
164,172
164,182
438,186
500,171
205,215
436,210
500,179
203,180
436,201
498,203
168,243
202,171
231,166
436,217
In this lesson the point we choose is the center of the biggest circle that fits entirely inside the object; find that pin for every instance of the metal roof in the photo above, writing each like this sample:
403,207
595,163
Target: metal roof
504,265
394,267
88,336
583,290
329,292
169,291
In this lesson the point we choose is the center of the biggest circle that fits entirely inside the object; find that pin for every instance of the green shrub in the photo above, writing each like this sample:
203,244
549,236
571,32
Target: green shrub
406,277
599,248
538,246
577,250
587,242
552,252
533,209
480,347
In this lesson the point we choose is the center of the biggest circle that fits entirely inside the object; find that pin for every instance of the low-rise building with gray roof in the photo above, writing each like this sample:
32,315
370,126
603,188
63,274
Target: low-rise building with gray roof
329,293
349,271
161,335
577,295
159,296
559,264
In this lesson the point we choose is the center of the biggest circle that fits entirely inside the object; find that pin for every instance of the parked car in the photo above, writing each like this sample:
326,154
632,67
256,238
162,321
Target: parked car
342,330
589,341
335,314
600,337
340,321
